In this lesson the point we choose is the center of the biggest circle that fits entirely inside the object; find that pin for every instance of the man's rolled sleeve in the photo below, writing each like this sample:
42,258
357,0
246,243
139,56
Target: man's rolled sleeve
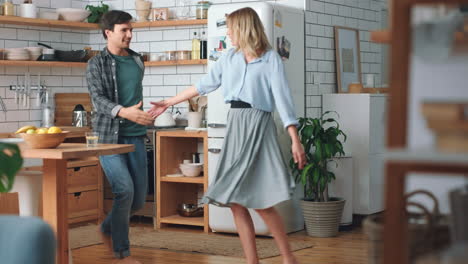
101,103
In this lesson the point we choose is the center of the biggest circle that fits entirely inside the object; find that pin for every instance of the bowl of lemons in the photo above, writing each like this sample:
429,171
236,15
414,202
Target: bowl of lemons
43,137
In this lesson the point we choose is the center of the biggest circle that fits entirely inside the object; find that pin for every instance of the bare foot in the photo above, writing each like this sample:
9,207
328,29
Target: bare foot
127,260
107,240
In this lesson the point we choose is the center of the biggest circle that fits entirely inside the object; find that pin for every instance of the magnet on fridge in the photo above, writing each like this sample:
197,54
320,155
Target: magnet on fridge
221,22
278,19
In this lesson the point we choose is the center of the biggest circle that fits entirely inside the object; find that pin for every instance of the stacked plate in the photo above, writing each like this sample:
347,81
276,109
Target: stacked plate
19,54
34,52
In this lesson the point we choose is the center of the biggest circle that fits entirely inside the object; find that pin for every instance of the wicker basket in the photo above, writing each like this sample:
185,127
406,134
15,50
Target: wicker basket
427,231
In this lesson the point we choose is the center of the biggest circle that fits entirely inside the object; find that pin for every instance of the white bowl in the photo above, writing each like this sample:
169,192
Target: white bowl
191,169
49,15
73,14
34,50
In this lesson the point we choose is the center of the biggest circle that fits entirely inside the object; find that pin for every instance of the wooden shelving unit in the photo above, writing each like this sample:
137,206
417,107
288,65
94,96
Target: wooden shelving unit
83,64
37,22
172,147
401,161
199,180
180,220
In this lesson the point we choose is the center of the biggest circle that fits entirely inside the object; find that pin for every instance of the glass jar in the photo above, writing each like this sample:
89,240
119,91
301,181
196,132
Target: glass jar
8,8
202,9
183,9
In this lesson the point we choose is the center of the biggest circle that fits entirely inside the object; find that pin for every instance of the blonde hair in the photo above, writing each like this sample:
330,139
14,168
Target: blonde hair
247,28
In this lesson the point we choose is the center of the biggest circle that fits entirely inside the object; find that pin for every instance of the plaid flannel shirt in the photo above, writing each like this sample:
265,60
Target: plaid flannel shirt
102,86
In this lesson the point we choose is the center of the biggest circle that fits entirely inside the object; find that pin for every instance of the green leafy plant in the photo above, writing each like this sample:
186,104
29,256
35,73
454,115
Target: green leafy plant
10,163
321,140
96,12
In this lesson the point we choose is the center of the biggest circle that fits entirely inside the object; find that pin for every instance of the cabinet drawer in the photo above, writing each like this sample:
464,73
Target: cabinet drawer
82,178
83,203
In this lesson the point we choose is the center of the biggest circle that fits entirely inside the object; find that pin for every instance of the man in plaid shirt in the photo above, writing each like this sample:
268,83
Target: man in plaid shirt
115,83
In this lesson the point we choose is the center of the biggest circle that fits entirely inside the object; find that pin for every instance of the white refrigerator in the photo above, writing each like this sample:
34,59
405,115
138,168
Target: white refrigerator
284,28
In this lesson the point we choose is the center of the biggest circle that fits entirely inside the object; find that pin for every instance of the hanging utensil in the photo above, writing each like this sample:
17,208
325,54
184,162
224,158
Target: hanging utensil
28,90
202,102
39,91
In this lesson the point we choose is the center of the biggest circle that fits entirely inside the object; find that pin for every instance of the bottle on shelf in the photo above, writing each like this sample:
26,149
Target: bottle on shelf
203,46
195,46
8,8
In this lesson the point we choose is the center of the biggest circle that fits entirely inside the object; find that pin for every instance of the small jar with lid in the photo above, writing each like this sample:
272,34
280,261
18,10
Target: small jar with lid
202,9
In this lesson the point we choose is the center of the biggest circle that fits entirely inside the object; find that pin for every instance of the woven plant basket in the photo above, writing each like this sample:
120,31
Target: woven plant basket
427,231
322,219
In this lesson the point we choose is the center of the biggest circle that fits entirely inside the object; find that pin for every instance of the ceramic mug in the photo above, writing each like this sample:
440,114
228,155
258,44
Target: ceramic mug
194,119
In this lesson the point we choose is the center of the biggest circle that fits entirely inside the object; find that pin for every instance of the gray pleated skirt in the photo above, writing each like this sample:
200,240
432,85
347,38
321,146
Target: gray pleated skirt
251,170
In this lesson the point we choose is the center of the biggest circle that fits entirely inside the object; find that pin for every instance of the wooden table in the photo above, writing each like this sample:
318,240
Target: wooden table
54,183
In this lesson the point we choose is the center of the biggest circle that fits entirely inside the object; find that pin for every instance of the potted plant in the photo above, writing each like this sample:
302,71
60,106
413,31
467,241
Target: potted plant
96,12
321,138
10,164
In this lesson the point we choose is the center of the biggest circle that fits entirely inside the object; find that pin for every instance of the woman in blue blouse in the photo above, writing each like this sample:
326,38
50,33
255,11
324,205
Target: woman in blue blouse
251,172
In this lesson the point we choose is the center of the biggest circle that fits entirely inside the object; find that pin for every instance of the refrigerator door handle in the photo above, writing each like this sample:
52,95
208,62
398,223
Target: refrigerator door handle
216,125
214,150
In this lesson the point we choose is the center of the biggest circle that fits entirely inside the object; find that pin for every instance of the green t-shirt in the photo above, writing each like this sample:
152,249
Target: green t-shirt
129,81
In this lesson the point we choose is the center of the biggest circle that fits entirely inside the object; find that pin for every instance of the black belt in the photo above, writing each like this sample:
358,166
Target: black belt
240,104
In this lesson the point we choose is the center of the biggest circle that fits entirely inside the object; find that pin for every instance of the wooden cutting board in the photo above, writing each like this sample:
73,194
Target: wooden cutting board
66,102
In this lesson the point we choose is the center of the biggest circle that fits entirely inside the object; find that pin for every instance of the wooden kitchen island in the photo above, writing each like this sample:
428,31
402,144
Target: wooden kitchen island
54,183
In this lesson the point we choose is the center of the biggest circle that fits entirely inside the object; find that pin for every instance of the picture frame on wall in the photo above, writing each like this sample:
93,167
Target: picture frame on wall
348,57
158,14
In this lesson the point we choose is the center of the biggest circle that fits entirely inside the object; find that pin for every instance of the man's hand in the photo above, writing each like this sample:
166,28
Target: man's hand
135,114
158,108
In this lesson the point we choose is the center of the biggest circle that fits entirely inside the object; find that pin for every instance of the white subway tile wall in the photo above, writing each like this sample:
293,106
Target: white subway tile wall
163,82
320,17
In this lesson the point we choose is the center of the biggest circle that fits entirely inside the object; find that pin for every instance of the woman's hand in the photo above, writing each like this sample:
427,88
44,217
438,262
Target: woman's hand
297,149
298,154
158,108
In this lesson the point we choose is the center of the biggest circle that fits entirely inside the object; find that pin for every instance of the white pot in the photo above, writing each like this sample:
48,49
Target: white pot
28,10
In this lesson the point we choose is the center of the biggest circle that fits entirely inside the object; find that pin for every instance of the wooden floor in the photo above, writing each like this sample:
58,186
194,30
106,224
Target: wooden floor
350,247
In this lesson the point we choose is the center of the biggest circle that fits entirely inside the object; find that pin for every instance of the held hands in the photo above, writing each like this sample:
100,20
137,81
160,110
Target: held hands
157,109
298,155
135,114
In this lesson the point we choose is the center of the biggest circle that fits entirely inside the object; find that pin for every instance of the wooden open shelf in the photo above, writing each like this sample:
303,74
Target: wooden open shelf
43,63
170,23
198,180
83,64
181,220
172,147
177,62
15,20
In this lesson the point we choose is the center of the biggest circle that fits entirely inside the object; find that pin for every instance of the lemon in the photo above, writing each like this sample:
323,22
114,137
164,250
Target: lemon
43,130
54,130
31,131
